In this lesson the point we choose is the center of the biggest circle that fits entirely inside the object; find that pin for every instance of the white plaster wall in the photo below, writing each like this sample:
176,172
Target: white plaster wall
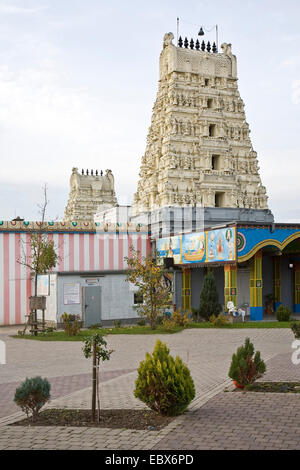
116,297
51,300
51,304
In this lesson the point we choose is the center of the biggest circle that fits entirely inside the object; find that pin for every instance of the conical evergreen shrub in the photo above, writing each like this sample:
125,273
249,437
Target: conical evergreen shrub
164,383
209,298
245,368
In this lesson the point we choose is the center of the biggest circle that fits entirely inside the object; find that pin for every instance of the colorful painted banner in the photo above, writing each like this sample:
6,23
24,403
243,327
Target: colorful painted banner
212,246
193,248
220,245
169,248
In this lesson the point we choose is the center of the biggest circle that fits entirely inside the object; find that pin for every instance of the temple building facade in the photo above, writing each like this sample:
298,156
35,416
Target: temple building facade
89,279
200,205
199,151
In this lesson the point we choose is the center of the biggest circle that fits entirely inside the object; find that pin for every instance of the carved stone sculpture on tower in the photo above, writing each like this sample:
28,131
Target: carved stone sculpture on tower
199,137
89,193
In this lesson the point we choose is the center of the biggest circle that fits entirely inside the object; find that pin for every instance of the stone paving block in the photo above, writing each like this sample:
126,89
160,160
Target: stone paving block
239,413
209,353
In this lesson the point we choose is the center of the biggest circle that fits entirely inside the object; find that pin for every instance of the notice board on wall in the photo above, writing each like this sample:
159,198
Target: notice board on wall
72,293
43,284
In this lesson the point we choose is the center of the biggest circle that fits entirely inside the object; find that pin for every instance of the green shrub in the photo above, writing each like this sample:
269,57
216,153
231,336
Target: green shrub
50,329
283,313
178,318
72,324
95,326
295,327
245,368
117,323
32,395
220,320
168,323
159,320
141,322
209,298
195,314
164,383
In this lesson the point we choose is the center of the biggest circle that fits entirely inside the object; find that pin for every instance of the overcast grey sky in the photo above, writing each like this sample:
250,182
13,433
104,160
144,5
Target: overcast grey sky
78,79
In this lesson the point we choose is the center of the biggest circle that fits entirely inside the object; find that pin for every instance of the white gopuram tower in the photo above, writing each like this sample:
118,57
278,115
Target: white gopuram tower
89,193
199,153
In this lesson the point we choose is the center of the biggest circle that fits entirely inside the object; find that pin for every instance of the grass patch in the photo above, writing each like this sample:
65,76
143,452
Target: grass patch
249,324
83,334
146,330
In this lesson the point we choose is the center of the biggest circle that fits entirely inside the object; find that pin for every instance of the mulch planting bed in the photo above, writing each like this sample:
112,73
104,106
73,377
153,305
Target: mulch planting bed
275,387
121,419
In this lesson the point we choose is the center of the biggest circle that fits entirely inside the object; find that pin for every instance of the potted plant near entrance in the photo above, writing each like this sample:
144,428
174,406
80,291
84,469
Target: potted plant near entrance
246,366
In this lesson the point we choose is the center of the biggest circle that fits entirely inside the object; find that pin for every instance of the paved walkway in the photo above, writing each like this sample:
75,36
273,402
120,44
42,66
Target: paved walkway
207,353
60,387
239,421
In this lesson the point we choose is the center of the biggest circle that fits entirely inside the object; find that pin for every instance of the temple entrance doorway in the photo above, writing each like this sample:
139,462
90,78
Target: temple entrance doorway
243,289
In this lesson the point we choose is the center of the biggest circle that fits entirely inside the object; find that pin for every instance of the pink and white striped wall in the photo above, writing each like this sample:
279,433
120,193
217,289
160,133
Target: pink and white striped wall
77,252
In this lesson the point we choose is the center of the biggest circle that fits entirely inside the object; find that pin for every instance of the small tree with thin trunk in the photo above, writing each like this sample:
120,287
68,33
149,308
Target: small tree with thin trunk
209,298
96,347
43,256
148,276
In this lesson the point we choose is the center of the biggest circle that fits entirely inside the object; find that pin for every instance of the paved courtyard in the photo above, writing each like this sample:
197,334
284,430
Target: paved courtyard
216,419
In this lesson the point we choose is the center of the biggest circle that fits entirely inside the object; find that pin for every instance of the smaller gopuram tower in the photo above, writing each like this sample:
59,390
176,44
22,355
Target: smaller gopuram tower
199,151
89,193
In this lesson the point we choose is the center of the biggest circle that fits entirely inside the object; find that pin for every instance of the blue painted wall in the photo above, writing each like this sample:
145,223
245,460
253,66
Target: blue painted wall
256,235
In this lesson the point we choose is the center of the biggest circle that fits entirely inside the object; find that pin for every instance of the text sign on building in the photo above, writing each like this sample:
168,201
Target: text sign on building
211,246
71,293
92,282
